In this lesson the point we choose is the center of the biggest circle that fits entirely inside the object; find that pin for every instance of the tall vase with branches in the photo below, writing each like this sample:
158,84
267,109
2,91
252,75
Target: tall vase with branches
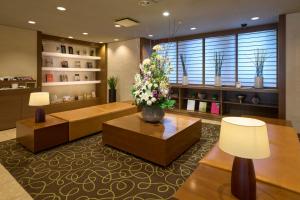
260,57
218,59
185,80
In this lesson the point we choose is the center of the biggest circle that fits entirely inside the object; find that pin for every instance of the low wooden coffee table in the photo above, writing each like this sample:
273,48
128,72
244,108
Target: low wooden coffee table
160,143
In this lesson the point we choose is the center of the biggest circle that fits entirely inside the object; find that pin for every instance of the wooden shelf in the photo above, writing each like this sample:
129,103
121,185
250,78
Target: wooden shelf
226,88
64,55
60,69
70,83
249,104
204,100
75,101
196,113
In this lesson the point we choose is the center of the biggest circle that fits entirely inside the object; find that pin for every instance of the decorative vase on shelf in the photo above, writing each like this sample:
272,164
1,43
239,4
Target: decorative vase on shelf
259,82
151,88
112,92
185,80
218,81
153,114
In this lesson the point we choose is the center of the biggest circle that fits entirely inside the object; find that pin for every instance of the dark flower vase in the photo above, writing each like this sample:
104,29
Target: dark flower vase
153,114
112,95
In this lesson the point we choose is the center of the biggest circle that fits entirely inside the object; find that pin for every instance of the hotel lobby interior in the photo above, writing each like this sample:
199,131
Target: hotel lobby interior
149,99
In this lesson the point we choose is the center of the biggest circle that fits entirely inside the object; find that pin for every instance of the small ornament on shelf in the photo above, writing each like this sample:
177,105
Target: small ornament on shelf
64,64
77,64
89,65
70,49
63,49
49,77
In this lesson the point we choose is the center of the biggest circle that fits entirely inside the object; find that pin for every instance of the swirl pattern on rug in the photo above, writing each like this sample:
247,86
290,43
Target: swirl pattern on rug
88,170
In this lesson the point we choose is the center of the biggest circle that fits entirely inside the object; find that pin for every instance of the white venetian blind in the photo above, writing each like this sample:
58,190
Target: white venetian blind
192,54
170,51
226,46
248,43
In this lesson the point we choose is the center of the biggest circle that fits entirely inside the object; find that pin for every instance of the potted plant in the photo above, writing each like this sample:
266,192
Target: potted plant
260,57
151,88
112,92
218,58
185,80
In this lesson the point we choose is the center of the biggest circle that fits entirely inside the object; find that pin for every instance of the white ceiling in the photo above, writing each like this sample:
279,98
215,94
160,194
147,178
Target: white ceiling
97,16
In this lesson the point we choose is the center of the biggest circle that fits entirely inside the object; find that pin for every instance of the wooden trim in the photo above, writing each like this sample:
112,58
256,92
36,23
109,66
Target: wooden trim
177,63
220,33
39,61
236,57
67,40
281,66
101,88
203,61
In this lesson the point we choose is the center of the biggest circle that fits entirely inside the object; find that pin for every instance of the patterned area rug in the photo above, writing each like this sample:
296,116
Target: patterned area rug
85,169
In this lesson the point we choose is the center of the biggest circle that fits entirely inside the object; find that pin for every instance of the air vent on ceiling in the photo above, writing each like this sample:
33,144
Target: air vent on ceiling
127,22
147,2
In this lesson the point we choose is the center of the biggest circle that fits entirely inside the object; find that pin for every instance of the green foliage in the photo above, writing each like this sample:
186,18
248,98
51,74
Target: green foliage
112,82
260,57
168,104
218,58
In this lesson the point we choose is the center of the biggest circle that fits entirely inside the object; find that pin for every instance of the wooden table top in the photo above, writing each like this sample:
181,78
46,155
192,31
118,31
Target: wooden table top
208,182
171,125
50,121
275,121
282,168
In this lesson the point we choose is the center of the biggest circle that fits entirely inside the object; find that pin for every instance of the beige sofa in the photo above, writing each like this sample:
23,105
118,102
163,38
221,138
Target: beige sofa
86,121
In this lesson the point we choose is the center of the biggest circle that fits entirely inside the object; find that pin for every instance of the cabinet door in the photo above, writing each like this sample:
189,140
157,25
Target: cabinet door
10,111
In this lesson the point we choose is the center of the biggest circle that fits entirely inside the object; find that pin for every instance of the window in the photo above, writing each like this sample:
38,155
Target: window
248,43
170,51
226,46
191,50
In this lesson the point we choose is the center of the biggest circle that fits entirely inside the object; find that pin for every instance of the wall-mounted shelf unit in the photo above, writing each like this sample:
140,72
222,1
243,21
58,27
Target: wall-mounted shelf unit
60,69
227,100
70,83
64,55
73,69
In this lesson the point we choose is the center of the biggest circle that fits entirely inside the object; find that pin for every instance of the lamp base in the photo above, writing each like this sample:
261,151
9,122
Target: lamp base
40,115
243,182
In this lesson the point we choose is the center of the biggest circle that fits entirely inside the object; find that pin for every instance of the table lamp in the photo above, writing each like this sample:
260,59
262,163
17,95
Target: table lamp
39,99
246,139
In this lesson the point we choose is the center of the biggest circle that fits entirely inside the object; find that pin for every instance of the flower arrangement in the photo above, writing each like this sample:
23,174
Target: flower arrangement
151,85
260,57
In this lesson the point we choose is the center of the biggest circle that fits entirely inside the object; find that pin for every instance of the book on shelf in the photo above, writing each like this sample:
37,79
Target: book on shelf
191,105
202,106
215,108
49,77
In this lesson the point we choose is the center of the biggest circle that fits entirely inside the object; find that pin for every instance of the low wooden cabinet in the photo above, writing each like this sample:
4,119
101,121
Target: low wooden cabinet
40,136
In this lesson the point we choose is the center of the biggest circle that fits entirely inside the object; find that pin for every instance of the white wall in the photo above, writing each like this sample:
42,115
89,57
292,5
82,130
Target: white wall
123,62
18,52
293,69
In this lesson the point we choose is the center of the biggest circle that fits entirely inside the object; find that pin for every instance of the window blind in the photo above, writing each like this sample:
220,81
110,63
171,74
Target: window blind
170,51
248,43
226,46
191,50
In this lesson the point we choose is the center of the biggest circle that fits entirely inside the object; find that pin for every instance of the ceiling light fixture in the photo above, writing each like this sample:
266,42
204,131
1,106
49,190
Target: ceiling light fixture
101,42
60,8
254,18
166,14
84,33
150,35
31,22
70,37
193,28
117,25
116,39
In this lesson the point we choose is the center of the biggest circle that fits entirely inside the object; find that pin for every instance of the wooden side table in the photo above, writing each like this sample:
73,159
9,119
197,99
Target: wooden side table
40,136
208,182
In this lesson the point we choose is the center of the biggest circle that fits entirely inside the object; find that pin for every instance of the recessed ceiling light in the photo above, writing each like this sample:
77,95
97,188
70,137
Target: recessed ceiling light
255,18
60,8
85,33
101,42
193,28
70,37
31,22
116,39
166,14
150,35
117,25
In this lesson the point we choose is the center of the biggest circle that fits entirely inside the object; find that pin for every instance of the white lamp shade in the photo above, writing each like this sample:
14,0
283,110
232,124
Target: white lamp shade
244,137
39,99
